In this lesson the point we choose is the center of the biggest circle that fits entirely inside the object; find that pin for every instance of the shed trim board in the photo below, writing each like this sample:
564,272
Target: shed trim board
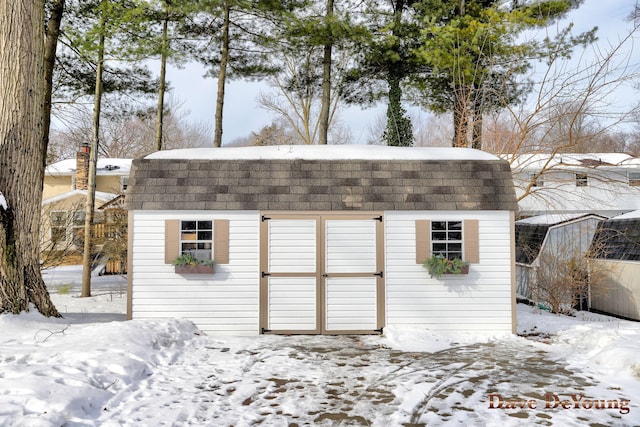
233,300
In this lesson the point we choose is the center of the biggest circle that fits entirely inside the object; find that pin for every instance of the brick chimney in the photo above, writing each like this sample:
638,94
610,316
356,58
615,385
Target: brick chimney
82,167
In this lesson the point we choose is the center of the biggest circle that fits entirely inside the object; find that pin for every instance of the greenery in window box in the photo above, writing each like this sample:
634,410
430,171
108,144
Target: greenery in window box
188,264
439,265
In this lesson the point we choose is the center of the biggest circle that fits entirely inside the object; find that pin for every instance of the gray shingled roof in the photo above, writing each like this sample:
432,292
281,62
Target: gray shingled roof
320,185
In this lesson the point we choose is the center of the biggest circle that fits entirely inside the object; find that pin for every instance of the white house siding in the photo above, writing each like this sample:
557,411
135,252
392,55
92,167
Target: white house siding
225,303
478,302
622,296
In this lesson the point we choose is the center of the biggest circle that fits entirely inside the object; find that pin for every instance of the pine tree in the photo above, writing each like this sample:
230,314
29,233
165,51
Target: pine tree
474,57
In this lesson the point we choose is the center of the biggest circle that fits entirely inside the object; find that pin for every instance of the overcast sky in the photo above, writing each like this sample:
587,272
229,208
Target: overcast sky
242,114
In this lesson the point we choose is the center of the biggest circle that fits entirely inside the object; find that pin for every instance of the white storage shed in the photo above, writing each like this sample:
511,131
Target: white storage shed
323,239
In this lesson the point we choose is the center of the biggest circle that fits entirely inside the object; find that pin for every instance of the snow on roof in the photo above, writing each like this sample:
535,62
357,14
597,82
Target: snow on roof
100,195
628,215
105,166
551,219
324,152
539,161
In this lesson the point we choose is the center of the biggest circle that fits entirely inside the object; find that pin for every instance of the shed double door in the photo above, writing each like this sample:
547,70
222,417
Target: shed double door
321,274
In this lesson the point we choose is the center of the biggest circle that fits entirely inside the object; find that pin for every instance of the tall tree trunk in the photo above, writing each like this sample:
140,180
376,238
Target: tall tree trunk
91,182
50,48
163,77
399,130
476,113
325,104
21,156
476,136
222,76
461,116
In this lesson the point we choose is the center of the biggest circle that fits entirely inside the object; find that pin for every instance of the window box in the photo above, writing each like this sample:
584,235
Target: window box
188,264
438,265
463,270
195,269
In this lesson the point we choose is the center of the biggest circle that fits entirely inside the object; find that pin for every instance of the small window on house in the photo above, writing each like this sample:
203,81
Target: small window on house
634,179
196,239
581,180
446,239
124,183
58,223
536,182
77,223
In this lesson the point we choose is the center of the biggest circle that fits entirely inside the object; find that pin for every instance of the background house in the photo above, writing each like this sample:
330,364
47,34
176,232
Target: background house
323,239
618,257
606,184
64,198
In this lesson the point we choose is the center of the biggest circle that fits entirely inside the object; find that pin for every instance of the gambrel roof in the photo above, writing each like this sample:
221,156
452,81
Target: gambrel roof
335,177
619,238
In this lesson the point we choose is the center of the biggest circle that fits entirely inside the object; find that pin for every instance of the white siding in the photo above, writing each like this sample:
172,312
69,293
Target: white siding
479,301
224,303
619,292
228,301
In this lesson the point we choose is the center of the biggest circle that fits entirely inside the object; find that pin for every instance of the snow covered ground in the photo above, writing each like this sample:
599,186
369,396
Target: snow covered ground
94,369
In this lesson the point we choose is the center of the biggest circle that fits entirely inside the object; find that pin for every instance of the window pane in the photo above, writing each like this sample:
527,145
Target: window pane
58,218
78,217
203,254
454,247
204,245
205,235
581,180
187,247
439,235
58,234
188,225
439,247
455,235
188,235
205,225
455,225
438,225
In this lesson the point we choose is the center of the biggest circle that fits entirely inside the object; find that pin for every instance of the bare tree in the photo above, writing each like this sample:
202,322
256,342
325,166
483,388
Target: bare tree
572,107
297,98
22,154
554,263
130,135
